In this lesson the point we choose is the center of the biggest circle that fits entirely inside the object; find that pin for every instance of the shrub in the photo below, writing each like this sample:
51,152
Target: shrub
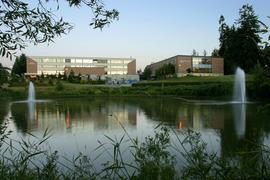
153,158
50,81
59,86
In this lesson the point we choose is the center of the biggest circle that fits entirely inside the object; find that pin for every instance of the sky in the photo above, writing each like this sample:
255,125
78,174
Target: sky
148,30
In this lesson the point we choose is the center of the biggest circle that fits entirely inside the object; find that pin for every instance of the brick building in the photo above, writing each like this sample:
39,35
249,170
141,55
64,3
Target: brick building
198,65
113,68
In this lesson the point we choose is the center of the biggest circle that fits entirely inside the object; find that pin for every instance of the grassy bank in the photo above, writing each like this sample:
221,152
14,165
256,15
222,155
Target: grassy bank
193,80
186,86
79,90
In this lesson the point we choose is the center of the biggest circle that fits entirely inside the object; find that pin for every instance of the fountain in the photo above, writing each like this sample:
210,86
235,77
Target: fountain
239,97
31,92
239,94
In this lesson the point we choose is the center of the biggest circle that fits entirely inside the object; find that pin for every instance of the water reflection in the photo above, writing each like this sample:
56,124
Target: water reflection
230,124
4,110
31,111
240,119
67,116
98,114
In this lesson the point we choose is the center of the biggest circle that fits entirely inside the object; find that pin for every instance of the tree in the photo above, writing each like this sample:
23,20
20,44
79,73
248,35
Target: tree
230,50
71,76
240,43
189,70
22,23
204,53
249,29
223,35
165,71
19,67
139,72
215,53
266,59
195,53
4,74
147,73
65,76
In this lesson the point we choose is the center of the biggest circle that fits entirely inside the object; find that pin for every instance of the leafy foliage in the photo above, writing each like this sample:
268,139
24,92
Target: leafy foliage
71,76
22,23
194,53
201,164
266,59
261,82
153,158
215,53
59,86
240,43
147,73
165,71
19,67
4,74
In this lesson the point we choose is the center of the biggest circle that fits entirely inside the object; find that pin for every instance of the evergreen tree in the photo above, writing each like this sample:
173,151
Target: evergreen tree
194,53
266,60
240,43
147,73
248,31
215,53
4,74
19,67
204,53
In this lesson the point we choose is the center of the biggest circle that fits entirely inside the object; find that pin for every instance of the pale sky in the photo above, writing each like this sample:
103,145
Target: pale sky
148,30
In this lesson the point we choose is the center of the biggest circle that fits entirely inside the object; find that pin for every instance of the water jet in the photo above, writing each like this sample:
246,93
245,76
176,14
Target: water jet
239,93
31,92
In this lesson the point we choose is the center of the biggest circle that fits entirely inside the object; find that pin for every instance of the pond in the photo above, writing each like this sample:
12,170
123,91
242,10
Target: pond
79,124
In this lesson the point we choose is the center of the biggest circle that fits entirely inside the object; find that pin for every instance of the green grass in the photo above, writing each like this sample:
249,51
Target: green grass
193,80
220,86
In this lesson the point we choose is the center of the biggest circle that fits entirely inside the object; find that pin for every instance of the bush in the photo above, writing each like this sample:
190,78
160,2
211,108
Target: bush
150,159
83,81
50,82
59,86
261,84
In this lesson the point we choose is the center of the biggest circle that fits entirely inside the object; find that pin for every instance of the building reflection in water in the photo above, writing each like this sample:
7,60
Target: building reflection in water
67,118
75,116
200,117
213,117
103,114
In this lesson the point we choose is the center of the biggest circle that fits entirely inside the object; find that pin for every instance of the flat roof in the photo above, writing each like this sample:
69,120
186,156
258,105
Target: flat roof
80,57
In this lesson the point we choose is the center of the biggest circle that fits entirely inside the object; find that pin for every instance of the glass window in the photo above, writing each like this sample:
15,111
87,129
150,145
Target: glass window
78,60
201,65
87,60
117,62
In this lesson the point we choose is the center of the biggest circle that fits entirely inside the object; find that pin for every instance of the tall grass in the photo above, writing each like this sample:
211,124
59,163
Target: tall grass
129,158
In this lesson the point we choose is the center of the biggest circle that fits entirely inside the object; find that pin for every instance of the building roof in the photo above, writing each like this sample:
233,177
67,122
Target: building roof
81,57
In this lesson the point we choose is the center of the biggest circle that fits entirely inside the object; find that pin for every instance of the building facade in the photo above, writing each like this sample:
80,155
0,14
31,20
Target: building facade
36,65
196,65
114,69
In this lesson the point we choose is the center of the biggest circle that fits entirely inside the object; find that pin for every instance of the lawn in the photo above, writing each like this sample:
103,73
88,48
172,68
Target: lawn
193,80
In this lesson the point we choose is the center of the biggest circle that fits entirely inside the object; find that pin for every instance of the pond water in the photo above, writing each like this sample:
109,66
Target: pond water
76,124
